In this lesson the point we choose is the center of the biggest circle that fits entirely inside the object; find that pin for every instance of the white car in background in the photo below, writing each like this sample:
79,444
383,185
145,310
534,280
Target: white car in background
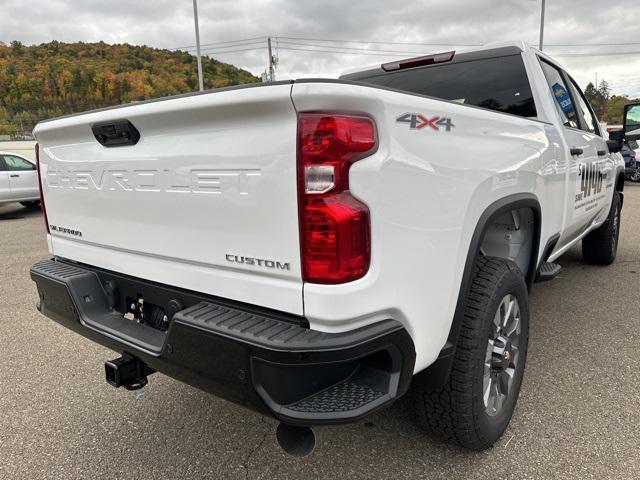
18,180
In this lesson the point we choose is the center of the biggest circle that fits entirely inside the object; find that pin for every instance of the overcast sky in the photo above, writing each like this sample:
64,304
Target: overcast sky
169,24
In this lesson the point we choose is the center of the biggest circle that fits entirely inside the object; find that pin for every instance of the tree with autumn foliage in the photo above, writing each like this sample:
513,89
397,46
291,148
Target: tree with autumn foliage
55,78
608,108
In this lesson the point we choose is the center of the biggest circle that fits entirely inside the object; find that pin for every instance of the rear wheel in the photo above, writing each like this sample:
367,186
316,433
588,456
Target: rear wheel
31,204
600,246
475,406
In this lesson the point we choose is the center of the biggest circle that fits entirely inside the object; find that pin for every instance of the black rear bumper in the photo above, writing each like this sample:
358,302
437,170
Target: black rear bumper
266,360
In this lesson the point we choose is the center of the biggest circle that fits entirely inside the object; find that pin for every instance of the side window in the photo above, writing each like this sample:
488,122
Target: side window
3,167
589,122
564,104
17,163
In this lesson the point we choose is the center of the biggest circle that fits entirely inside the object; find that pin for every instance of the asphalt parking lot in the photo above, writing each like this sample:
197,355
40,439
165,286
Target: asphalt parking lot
578,414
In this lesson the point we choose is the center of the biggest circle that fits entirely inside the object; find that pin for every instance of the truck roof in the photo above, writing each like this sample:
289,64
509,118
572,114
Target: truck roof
469,53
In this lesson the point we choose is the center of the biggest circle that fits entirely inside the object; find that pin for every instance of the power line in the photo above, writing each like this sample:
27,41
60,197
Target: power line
347,48
233,51
312,48
592,44
244,45
335,51
223,48
379,42
598,54
381,53
382,43
230,46
188,47
378,52
454,44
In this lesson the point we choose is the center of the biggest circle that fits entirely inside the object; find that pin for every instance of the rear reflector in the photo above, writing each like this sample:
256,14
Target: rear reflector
44,209
418,61
334,225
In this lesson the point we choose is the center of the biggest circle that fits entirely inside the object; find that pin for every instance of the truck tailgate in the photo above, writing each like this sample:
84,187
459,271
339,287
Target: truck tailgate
206,199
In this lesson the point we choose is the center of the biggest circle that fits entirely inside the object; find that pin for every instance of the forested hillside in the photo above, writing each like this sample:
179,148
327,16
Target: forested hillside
52,79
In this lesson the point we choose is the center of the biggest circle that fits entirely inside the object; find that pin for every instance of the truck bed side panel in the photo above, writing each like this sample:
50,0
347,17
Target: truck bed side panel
426,190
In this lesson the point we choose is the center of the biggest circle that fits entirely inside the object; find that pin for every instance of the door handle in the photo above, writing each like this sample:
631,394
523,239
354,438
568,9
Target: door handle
14,175
602,153
576,151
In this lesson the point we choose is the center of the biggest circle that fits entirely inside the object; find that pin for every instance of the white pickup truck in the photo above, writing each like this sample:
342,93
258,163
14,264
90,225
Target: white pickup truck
312,249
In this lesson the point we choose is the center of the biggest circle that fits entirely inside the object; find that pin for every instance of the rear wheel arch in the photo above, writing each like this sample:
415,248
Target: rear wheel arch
492,212
437,373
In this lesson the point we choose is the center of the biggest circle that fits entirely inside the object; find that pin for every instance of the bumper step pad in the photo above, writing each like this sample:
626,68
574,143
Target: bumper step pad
342,397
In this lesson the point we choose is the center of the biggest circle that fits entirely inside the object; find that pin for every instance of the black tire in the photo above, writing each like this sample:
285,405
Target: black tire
600,246
31,204
456,413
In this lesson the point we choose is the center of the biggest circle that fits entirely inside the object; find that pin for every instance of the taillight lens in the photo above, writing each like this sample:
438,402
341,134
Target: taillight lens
44,209
334,225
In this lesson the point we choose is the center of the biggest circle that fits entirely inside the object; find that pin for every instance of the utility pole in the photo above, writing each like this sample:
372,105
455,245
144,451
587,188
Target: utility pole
541,24
596,80
195,20
271,77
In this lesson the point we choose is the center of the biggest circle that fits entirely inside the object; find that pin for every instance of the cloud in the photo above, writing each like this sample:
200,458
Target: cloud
169,24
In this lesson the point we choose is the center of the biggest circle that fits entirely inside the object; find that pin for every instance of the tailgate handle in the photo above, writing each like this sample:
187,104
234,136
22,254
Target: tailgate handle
602,153
576,151
116,133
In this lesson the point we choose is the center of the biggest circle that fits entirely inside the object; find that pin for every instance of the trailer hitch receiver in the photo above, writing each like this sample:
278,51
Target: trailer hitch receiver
128,372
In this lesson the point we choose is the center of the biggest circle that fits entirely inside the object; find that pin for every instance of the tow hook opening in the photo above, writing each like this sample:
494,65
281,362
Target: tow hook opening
128,372
296,441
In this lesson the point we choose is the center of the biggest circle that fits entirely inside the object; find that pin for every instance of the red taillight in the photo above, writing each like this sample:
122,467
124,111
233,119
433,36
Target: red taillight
44,209
334,225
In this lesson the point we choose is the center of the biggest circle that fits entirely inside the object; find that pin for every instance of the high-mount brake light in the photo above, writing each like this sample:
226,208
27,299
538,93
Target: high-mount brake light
418,61
44,209
334,225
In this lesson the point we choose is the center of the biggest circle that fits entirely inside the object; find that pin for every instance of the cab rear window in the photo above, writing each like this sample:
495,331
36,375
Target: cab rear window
498,83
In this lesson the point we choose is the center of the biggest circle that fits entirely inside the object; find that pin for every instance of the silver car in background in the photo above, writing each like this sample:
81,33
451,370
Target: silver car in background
18,180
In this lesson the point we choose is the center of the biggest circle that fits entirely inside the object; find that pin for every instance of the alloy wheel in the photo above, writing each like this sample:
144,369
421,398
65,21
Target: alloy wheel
502,355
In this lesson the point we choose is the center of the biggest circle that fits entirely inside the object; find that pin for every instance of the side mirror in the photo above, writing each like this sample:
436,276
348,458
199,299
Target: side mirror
614,146
617,135
615,141
631,127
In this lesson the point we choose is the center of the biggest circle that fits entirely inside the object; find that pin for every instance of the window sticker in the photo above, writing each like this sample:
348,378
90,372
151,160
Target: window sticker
562,97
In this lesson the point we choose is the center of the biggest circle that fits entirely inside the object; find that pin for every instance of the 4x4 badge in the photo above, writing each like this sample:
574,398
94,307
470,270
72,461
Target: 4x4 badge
418,121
